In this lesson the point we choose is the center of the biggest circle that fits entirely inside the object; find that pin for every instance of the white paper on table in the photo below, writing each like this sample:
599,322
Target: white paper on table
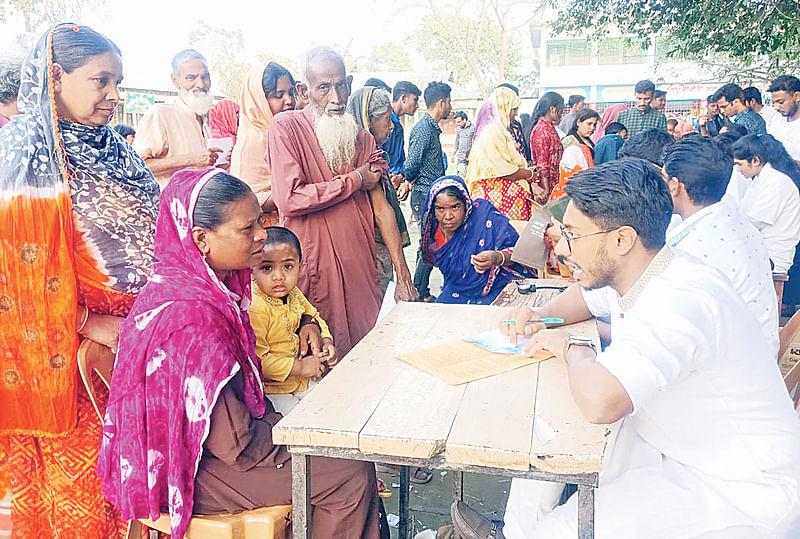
226,145
494,341
388,301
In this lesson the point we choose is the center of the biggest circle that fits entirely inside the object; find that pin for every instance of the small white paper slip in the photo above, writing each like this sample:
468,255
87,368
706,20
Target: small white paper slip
224,144
388,301
494,341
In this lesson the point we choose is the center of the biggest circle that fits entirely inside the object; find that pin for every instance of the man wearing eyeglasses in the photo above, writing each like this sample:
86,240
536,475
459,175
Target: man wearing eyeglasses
704,439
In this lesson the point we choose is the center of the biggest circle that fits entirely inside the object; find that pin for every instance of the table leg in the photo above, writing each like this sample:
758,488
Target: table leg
458,485
402,527
585,512
301,496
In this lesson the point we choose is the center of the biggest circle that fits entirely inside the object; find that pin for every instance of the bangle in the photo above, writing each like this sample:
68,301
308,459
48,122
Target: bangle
503,255
85,319
360,176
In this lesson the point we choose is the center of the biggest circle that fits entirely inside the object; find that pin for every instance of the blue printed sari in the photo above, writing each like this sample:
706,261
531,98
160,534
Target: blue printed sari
484,228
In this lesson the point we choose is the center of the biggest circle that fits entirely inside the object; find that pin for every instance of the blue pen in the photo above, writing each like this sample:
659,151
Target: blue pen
547,321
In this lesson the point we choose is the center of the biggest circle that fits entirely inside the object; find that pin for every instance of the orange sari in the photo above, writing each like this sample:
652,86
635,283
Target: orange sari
576,157
77,212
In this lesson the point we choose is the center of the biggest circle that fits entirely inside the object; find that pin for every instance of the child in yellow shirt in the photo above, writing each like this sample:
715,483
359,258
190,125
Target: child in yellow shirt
278,306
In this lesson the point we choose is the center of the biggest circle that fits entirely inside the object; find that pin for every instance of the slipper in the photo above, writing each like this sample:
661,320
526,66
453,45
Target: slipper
422,476
383,490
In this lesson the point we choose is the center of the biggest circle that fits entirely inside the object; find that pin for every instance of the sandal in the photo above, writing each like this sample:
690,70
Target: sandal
421,476
383,490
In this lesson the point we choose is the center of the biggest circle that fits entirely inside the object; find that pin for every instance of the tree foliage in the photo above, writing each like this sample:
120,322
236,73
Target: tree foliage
37,12
761,37
223,49
389,56
483,47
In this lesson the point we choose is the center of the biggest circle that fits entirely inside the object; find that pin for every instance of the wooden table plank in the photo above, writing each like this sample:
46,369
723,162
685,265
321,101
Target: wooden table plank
335,412
577,445
510,296
416,413
494,425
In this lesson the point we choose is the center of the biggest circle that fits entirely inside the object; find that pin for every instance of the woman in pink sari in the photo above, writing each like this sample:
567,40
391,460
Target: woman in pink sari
187,426
609,116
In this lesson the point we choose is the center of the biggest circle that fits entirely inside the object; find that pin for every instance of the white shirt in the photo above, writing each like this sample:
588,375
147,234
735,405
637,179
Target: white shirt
772,204
721,237
737,187
788,133
769,114
712,422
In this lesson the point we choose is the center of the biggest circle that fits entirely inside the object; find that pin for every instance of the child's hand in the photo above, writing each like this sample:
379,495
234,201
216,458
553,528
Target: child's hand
310,366
329,352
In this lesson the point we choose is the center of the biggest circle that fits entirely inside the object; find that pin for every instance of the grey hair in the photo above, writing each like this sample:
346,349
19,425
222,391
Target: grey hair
320,53
184,56
9,83
379,103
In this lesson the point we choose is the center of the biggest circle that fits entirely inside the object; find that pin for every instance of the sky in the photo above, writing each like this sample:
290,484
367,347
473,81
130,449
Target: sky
149,32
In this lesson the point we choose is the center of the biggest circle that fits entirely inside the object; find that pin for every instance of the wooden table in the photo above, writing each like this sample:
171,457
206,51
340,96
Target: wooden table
374,407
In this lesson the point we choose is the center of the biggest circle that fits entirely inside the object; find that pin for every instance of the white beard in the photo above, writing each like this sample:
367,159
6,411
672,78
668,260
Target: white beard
337,138
199,103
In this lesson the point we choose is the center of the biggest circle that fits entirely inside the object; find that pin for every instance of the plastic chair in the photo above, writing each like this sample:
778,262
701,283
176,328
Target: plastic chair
262,523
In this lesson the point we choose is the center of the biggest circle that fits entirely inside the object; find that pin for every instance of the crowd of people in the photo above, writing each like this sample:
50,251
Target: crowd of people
229,254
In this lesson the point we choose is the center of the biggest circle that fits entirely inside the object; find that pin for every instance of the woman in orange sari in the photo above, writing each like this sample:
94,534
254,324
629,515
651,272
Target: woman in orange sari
497,172
578,149
77,218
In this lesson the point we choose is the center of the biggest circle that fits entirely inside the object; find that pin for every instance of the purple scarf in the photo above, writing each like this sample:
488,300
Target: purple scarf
187,335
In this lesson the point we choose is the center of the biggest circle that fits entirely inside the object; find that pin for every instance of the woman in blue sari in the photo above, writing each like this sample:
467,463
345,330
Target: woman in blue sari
470,242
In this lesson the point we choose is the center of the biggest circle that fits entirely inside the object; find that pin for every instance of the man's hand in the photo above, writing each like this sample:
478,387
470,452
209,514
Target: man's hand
521,316
329,352
405,290
208,158
397,179
404,190
310,339
483,261
369,179
554,341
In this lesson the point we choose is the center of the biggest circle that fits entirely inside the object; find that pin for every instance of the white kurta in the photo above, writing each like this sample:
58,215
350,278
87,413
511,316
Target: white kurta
712,444
788,133
772,204
721,237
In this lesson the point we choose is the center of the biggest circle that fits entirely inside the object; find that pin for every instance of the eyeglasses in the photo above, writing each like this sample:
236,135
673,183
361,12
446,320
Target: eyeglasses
569,239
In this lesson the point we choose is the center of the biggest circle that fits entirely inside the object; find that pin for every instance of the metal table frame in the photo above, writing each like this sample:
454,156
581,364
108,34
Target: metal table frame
301,482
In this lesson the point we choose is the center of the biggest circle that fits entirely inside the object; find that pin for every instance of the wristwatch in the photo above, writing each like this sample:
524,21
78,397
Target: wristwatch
575,340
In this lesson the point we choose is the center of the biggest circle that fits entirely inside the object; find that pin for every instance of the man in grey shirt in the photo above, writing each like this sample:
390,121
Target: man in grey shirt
575,104
466,130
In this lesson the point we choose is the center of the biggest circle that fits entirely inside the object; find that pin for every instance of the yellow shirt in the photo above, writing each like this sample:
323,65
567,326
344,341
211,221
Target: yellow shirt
277,344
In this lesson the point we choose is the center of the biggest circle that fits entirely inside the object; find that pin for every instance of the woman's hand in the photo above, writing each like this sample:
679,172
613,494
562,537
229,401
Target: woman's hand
483,261
310,337
554,341
329,352
404,190
405,290
538,192
103,329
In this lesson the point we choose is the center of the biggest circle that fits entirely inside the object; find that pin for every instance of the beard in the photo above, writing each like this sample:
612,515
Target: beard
791,112
337,138
198,102
602,271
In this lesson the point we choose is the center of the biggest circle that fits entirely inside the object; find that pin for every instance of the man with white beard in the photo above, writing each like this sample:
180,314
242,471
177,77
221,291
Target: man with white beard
172,136
322,166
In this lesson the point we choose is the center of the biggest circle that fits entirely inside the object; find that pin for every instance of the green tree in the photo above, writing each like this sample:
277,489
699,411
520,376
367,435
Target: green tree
37,12
754,38
481,47
223,49
389,56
